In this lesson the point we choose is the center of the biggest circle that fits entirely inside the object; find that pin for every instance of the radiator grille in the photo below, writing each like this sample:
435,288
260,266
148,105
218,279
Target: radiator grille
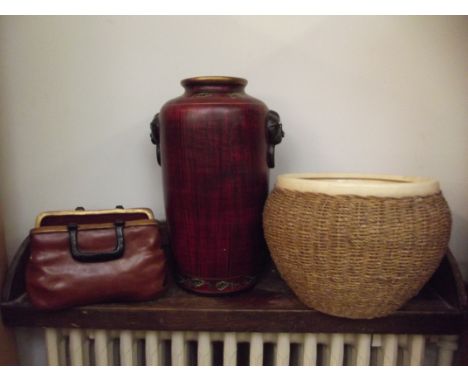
125,347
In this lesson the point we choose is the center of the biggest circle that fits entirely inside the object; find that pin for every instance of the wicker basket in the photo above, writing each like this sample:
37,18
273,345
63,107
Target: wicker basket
356,246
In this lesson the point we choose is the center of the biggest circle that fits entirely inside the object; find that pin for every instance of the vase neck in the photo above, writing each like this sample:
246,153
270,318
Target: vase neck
214,85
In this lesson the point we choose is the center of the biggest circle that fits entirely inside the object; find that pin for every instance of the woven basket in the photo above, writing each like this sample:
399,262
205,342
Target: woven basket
356,246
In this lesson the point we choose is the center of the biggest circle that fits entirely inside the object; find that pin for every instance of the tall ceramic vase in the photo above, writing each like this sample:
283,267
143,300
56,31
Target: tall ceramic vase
215,144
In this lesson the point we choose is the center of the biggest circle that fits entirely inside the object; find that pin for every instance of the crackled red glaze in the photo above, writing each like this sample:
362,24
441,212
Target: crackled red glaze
213,153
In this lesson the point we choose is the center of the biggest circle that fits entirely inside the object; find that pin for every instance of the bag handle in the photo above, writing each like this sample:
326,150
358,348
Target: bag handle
89,257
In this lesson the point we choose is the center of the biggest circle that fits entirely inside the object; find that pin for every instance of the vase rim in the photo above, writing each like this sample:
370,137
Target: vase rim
213,81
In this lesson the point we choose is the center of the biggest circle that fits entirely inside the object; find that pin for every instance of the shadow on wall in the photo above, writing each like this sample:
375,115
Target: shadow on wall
459,246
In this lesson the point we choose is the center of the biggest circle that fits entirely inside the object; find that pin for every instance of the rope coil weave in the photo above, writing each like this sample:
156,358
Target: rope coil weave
354,256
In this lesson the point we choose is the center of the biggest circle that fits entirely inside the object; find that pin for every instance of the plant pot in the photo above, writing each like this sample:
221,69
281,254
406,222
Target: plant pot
353,245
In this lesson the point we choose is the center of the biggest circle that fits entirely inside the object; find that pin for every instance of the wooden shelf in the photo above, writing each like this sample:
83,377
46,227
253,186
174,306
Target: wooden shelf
270,306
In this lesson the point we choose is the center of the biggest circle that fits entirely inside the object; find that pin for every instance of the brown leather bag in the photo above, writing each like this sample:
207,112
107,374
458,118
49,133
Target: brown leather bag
85,257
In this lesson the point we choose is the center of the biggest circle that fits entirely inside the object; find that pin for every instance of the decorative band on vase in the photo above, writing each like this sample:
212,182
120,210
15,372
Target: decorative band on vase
215,286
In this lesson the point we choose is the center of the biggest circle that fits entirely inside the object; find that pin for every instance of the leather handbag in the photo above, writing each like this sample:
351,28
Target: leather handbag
84,257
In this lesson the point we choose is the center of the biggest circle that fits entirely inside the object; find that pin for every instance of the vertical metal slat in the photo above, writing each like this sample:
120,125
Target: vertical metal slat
447,346
390,349
336,349
282,349
363,351
126,348
52,344
416,349
178,353
152,348
87,341
101,347
76,347
309,353
204,355
230,349
256,349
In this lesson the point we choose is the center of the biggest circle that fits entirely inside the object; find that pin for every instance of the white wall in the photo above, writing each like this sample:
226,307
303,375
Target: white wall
356,94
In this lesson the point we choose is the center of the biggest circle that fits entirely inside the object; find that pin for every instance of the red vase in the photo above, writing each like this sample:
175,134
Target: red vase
215,144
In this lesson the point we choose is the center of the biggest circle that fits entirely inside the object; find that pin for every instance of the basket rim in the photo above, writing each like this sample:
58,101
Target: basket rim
360,184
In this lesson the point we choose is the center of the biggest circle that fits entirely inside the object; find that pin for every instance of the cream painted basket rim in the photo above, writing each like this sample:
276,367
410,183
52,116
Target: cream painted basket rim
392,186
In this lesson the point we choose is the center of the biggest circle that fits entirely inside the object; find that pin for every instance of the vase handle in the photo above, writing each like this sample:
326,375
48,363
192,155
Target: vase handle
275,134
155,136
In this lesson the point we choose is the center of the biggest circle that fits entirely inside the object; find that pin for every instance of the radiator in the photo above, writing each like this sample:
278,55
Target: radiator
126,347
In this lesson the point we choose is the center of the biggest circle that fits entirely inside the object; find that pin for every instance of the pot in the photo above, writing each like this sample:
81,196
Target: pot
356,245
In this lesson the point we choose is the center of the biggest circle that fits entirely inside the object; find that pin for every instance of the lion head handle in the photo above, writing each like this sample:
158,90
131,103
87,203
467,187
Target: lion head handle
155,136
275,134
